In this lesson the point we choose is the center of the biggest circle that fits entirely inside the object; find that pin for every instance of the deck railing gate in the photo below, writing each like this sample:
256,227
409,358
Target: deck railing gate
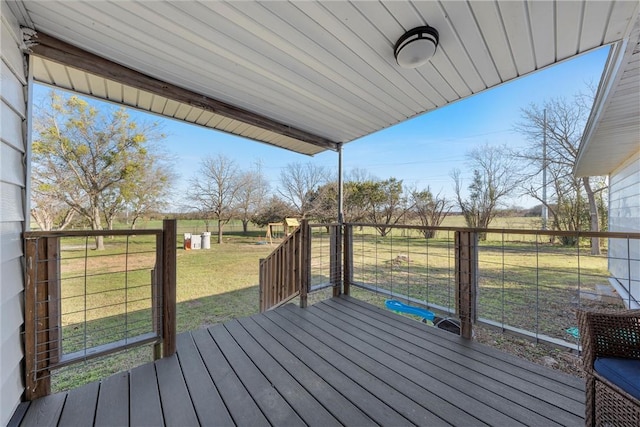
43,318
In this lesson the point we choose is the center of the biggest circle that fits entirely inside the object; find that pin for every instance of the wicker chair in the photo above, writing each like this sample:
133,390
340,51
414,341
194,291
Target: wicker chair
607,336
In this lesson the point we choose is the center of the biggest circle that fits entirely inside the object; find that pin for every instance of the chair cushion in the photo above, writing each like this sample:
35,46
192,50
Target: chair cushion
625,373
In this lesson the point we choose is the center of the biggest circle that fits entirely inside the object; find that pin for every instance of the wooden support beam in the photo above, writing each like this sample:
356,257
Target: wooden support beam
64,53
466,268
169,242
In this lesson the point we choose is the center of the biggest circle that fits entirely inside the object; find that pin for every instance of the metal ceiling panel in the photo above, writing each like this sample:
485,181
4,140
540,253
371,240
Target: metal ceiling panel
325,68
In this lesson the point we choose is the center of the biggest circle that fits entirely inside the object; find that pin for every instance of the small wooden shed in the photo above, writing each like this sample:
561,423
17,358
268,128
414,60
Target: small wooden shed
290,224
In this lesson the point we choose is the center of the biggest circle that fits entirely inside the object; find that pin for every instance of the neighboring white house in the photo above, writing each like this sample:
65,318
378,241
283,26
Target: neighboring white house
611,146
304,76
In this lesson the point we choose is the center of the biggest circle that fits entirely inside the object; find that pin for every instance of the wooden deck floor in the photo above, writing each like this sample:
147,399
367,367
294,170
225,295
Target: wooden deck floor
339,362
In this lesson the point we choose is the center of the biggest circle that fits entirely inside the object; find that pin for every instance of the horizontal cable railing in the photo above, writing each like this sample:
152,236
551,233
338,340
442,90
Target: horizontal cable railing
404,264
527,282
83,304
530,282
325,256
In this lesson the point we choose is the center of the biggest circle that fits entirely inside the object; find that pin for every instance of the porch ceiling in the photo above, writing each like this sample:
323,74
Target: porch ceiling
325,69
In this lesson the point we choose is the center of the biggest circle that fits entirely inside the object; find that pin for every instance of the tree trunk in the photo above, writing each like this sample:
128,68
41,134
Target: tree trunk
96,225
593,215
219,231
44,221
133,222
245,226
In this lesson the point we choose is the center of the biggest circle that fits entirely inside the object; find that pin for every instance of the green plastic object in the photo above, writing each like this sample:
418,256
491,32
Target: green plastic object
574,332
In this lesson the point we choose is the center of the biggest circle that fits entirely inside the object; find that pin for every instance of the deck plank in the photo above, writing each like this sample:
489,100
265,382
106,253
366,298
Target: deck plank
305,404
408,409
144,396
80,406
434,408
374,407
553,387
395,359
176,401
113,401
237,399
207,401
45,411
341,408
530,372
340,361
464,363
479,384
272,404
19,414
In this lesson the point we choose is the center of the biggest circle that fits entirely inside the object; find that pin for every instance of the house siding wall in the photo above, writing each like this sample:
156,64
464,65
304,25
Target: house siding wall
624,215
12,201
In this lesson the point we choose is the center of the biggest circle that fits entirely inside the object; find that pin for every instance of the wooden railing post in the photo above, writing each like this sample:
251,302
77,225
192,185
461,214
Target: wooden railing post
466,272
305,261
169,242
37,336
261,284
335,259
348,259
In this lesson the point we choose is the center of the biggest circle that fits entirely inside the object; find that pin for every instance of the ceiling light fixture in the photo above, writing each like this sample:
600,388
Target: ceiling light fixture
416,47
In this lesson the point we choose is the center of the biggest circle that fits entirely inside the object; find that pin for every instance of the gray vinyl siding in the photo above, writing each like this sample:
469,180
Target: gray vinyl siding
12,222
624,215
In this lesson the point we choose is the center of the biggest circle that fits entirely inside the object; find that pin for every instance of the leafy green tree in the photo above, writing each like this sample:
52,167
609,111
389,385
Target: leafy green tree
149,190
274,210
324,203
385,201
81,155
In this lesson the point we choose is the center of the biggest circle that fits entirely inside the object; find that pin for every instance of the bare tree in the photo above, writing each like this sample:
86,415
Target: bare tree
298,182
562,131
253,195
216,188
48,211
494,178
431,210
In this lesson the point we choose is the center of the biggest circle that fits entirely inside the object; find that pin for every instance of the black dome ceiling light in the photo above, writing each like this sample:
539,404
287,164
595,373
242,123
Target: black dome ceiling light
416,47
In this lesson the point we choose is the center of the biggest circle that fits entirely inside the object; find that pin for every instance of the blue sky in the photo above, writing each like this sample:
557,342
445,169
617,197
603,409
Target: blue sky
422,151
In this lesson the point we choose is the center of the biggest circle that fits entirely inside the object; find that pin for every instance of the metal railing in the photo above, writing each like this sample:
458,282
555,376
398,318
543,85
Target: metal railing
82,304
523,282
325,258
